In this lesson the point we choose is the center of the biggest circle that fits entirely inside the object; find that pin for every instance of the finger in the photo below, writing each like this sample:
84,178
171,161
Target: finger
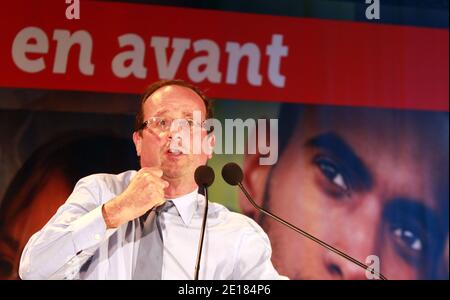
150,169
156,171
160,203
161,180
151,174
159,172
159,185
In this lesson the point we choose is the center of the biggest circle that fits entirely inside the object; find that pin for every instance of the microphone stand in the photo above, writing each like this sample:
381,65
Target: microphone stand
304,233
202,235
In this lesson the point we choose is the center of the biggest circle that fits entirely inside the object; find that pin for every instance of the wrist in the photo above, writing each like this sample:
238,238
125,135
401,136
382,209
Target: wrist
110,215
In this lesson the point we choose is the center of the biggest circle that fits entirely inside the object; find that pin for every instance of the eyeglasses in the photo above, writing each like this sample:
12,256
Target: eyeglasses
157,124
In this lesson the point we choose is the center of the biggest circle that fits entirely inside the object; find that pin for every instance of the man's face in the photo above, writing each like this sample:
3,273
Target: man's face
367,182
171,103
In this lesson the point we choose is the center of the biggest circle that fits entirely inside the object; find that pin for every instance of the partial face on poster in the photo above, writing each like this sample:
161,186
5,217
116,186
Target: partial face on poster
366,181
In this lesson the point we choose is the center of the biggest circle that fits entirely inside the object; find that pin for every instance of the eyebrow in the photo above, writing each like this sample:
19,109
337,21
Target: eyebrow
161,112
185,114
333,144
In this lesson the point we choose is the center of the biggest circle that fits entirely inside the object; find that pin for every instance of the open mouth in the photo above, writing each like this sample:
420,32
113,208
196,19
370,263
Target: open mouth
175,151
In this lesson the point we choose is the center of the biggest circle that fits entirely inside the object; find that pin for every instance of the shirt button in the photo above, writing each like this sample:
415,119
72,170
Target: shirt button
97,236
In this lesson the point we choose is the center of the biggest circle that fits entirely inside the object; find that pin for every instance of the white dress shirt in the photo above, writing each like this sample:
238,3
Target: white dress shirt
75,243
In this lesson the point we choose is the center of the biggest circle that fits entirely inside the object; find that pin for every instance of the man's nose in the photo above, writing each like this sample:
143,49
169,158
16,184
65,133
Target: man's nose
178,133
341,268
357,236
171,131
178,126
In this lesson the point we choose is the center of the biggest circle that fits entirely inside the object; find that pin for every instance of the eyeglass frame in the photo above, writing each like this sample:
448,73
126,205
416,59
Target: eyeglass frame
147,122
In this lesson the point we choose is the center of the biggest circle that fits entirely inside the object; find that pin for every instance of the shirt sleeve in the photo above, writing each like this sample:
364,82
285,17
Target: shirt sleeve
254,258
70,238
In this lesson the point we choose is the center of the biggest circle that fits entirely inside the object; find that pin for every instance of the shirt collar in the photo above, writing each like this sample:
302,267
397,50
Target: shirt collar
187,205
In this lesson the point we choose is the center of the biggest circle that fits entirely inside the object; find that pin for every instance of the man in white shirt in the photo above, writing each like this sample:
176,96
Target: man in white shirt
96,234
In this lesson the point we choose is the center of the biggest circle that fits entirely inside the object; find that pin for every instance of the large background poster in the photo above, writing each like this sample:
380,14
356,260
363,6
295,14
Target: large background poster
361,107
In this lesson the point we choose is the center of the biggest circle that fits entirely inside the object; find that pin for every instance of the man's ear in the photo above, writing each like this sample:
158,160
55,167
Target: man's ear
137,139
255,179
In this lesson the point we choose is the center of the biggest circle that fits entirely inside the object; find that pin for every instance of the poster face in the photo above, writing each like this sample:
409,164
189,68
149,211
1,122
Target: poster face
348,177
341,135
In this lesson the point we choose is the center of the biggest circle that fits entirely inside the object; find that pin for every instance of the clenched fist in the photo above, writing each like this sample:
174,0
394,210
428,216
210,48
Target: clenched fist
145,191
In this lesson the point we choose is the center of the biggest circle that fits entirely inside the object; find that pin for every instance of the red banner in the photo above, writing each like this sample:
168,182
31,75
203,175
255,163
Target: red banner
116,47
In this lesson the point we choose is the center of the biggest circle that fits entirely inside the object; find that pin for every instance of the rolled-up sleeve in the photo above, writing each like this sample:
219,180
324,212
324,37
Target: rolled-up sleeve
70,238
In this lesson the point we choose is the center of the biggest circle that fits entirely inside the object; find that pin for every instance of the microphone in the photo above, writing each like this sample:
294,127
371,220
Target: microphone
233,175
204,177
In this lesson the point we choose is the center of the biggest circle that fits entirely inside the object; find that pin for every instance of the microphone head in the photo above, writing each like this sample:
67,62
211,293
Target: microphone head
232,173
204,176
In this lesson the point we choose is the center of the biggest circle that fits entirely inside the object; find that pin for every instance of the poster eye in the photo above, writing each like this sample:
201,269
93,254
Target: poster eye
330,170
